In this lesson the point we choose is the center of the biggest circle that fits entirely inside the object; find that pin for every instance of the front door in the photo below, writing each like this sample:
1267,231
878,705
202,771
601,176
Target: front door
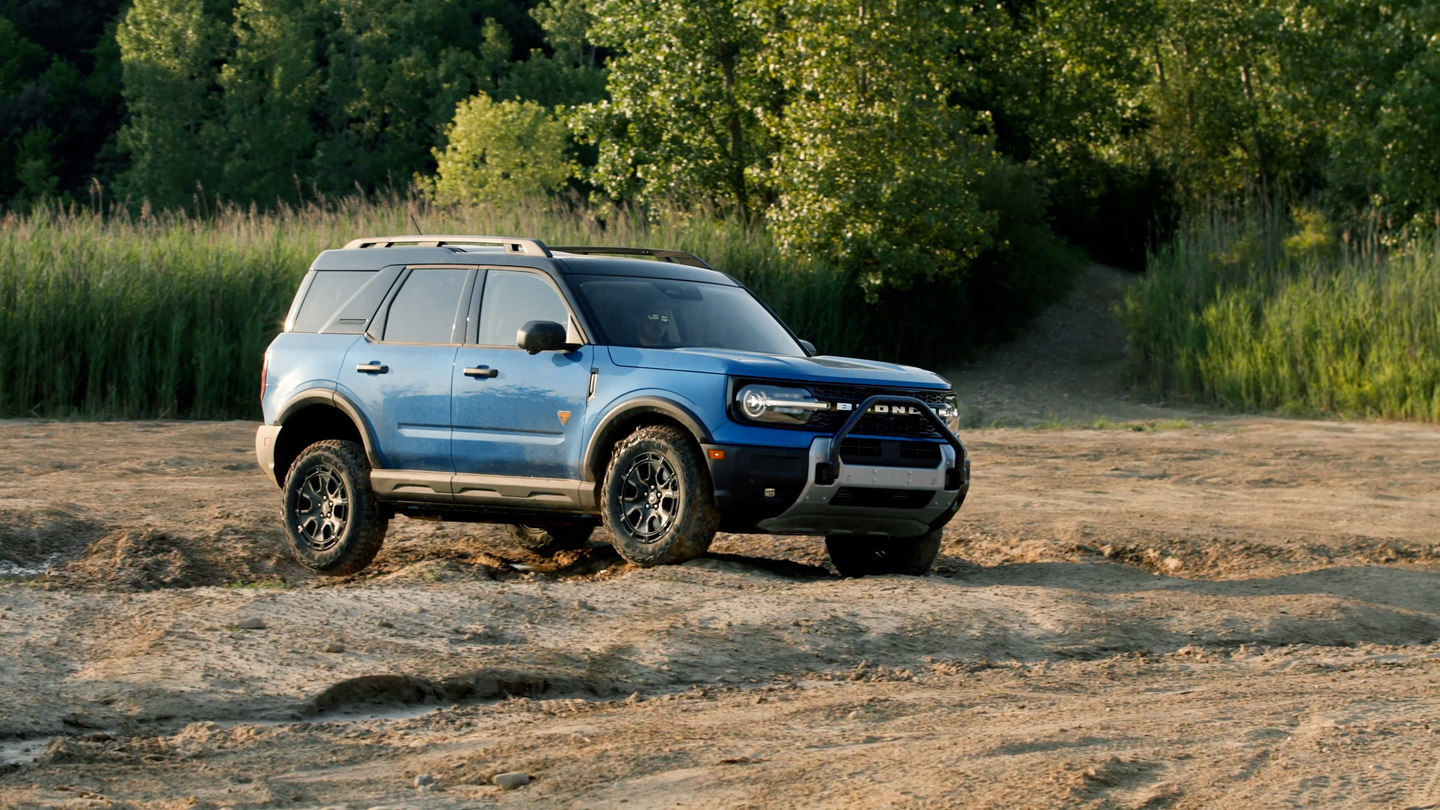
514,413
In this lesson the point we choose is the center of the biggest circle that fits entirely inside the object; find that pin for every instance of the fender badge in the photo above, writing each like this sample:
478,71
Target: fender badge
564,417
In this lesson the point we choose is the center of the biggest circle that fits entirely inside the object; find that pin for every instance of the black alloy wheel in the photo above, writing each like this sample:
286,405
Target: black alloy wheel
657,500
333,522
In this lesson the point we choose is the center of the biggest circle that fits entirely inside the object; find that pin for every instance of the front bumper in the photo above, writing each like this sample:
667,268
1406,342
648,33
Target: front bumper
856,499
845,498
796,491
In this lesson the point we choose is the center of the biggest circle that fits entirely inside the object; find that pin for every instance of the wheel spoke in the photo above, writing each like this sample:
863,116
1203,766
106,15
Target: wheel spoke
322,508
649,497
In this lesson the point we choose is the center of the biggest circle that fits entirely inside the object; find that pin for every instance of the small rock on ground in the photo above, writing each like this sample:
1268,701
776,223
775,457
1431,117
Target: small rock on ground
510,781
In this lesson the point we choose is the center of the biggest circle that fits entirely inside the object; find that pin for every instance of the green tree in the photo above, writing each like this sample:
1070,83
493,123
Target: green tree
170,52
500,152
687,92
570,73
270,88
877,169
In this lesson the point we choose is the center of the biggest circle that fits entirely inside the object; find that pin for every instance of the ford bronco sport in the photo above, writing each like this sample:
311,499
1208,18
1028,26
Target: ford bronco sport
555,389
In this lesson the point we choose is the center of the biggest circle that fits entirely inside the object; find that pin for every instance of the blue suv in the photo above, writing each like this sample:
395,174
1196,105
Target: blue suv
555,389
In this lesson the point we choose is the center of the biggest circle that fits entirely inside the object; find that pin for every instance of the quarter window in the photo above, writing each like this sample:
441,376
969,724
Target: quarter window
512,299
424,310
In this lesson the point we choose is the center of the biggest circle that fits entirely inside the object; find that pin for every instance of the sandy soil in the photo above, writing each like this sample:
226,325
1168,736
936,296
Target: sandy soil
1200,610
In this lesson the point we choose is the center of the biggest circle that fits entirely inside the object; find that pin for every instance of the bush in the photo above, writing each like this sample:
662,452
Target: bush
500,152
1248,311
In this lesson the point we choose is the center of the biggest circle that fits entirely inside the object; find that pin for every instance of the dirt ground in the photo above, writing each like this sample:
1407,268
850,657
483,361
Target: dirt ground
1138,606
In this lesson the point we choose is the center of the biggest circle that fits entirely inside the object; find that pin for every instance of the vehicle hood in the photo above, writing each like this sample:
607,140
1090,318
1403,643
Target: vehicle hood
823,368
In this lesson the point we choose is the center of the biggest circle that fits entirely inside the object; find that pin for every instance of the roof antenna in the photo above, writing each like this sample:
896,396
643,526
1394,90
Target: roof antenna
416,223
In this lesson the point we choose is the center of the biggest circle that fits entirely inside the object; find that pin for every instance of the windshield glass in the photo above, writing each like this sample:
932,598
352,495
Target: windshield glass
662,313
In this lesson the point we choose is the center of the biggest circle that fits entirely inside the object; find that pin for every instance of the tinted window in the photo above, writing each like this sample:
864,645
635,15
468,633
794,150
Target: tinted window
511,299
665,314
328,290
424,309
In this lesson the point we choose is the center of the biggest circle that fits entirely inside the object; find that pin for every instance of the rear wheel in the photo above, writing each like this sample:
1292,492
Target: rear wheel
551,536
869,556
657,500
333,522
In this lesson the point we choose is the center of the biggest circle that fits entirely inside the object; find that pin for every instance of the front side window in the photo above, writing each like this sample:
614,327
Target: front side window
425,309
512,299
668,314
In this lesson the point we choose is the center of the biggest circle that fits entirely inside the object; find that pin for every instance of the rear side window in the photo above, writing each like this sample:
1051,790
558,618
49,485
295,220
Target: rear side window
425,308
327,291
511,300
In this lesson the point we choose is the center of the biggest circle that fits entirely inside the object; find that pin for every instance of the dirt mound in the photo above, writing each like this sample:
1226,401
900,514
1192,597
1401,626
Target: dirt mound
31,541
375,693
151,559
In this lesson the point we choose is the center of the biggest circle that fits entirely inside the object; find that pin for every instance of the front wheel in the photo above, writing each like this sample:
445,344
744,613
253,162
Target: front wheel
333,523
856,556
657,500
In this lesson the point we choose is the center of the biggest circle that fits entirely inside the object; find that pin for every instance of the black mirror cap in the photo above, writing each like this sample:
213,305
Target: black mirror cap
809,348
541,336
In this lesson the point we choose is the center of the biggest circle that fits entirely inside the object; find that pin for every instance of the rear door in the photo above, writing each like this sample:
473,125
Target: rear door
399,373
514,413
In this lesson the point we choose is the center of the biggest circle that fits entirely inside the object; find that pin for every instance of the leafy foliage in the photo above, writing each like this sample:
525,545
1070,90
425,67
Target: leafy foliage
1250,311
686,93
501,152
876,169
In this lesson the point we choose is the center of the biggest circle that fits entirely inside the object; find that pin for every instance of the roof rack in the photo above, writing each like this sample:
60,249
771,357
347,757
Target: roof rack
675,256
512,244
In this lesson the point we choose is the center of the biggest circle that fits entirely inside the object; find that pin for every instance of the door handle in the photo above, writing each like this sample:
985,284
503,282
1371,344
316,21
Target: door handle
482,371
372,368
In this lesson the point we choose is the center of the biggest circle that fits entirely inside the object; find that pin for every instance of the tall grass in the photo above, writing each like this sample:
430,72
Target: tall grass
116,314
1252,310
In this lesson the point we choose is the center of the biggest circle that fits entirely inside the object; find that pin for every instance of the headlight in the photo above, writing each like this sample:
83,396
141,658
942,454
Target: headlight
772,403
949,412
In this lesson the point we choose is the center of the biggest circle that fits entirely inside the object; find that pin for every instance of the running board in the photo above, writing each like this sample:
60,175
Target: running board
484,490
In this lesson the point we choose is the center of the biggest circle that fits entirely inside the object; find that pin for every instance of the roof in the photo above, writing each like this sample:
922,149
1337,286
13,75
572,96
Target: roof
372,253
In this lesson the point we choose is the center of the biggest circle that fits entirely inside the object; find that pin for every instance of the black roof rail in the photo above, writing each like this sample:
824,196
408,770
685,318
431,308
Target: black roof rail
512,244
676,256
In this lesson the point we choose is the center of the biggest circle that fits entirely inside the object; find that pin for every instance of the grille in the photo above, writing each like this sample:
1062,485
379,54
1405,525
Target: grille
872,497
889,453
881,424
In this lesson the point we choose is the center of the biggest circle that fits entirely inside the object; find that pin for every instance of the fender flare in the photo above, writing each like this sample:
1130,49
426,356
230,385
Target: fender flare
333,398
636,407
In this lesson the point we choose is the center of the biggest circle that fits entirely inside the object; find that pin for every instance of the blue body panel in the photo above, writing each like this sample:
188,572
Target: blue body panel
299,363
408,406
528,419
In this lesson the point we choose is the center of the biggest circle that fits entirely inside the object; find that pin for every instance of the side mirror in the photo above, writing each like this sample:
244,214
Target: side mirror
808,347
541,336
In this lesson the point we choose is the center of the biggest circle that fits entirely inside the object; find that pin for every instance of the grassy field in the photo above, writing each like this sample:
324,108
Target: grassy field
1256,311
163,315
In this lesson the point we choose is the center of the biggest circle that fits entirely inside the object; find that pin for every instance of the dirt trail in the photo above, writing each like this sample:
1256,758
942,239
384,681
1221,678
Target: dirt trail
1224,611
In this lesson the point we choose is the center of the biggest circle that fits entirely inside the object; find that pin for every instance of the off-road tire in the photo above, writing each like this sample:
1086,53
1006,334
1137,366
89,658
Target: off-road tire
861,556
550,537
679,523
333,522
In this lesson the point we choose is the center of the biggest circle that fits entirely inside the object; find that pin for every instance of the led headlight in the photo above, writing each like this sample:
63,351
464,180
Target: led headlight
773,403
949,412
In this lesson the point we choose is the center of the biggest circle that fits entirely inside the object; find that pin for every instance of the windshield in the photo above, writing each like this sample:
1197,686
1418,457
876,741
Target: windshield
662,313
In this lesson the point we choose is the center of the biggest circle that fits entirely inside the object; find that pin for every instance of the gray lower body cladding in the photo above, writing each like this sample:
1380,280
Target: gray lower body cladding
777,492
